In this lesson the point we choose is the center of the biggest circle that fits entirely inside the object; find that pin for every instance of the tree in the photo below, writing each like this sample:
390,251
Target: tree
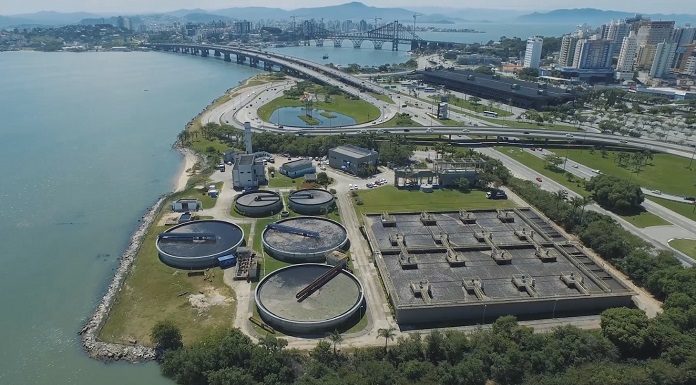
626,328
463,185
616,194
388,334
336,338
553,161
166,336
323,179
474,100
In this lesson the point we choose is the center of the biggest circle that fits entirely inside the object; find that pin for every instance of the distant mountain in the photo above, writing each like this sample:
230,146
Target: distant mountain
354,10
202,17
47,18
471,14
593,16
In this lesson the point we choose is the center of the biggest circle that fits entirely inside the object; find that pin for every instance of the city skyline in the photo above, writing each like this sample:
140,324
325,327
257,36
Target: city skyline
13,7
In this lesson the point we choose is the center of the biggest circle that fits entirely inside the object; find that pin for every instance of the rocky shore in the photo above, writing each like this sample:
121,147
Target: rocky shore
90,332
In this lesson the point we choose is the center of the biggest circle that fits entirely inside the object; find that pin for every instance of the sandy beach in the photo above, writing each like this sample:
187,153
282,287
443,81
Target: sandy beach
182,177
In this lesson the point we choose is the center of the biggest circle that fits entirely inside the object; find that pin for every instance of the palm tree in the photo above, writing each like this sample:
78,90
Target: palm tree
388,334
336,338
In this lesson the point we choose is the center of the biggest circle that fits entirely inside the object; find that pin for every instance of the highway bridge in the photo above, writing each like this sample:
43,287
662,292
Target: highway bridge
357,87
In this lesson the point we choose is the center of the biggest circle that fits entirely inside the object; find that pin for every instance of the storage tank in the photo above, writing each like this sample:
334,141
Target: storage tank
303,239
311,201
338,301
198,244
260,203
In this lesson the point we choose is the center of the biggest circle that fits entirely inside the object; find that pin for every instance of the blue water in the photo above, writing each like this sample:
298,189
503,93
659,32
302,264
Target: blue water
365,56
290,116
85,148
494,31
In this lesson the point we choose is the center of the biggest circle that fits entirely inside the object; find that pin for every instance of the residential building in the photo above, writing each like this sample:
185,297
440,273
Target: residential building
353,159
650,34
617,31
627,56
241,27
593,54
568,43
684,36
532,55
662,61
297,168
248,172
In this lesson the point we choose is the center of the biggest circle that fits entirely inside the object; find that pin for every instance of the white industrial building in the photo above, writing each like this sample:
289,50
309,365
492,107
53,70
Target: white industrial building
248,171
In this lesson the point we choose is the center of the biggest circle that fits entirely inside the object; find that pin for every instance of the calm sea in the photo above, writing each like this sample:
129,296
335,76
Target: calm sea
85,148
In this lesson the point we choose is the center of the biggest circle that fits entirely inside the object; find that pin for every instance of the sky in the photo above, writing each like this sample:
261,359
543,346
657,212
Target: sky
9,7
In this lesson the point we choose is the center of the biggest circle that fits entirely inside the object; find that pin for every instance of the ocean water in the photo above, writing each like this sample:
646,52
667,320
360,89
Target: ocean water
85,149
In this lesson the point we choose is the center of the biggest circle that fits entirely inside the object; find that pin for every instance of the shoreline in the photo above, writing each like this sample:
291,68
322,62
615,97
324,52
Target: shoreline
89,333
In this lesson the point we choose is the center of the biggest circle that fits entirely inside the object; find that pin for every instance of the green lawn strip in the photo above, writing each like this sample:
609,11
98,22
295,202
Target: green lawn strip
205,199
280,180
357,109
449,122
685,209
476,107
539,165
398,121
642,219
153,292
686,246
382,97
666,172
327,114
389,198
247,230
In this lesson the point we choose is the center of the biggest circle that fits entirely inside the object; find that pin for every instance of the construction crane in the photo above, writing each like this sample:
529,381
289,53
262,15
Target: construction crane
415,16
376,20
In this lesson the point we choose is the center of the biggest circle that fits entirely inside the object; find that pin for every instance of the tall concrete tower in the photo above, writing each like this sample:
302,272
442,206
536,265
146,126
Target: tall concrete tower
247,138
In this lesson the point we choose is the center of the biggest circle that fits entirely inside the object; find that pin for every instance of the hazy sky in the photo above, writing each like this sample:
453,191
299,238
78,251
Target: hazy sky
129,6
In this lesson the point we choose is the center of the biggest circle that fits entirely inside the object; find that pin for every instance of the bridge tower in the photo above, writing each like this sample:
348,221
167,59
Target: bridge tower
377,44
338,41
357,41
216,53
227,56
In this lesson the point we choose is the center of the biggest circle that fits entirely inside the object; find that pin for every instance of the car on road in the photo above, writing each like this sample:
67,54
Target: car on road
575,166
369,185
569,135
690,199
596,171
538,179
526,132
624,141
657,192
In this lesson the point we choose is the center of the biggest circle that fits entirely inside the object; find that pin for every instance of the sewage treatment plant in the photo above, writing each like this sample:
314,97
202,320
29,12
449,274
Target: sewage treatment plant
198,244
260,203
309,298
304,239
474,266
311,201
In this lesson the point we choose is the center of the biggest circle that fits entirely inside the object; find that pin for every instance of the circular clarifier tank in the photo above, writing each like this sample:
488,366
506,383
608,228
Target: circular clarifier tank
327,308
259,203
198,244
304,239
311,201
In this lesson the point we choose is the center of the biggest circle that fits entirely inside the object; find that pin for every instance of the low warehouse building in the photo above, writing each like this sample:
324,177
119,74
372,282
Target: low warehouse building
311,201
353,159
187,204
297,168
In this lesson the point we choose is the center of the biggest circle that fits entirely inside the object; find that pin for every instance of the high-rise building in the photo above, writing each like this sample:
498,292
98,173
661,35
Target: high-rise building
362,26
662,61
568,43
627,55
241,27
532,55
688,53
655,32
617,31
684,36
593,54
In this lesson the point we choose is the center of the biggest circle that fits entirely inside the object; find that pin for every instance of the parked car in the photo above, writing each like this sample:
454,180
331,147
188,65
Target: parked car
538,179
496,194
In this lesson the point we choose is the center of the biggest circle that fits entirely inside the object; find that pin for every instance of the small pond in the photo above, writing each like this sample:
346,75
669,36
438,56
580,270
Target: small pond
290,116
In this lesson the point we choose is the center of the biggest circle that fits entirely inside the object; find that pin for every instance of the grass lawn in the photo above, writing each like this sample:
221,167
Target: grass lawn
359,110
280,180
465,104
686,246
312,121
390,198
539,165
398,121
666,172
448,122
205,199
685,209
151,293
643,219
382,97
